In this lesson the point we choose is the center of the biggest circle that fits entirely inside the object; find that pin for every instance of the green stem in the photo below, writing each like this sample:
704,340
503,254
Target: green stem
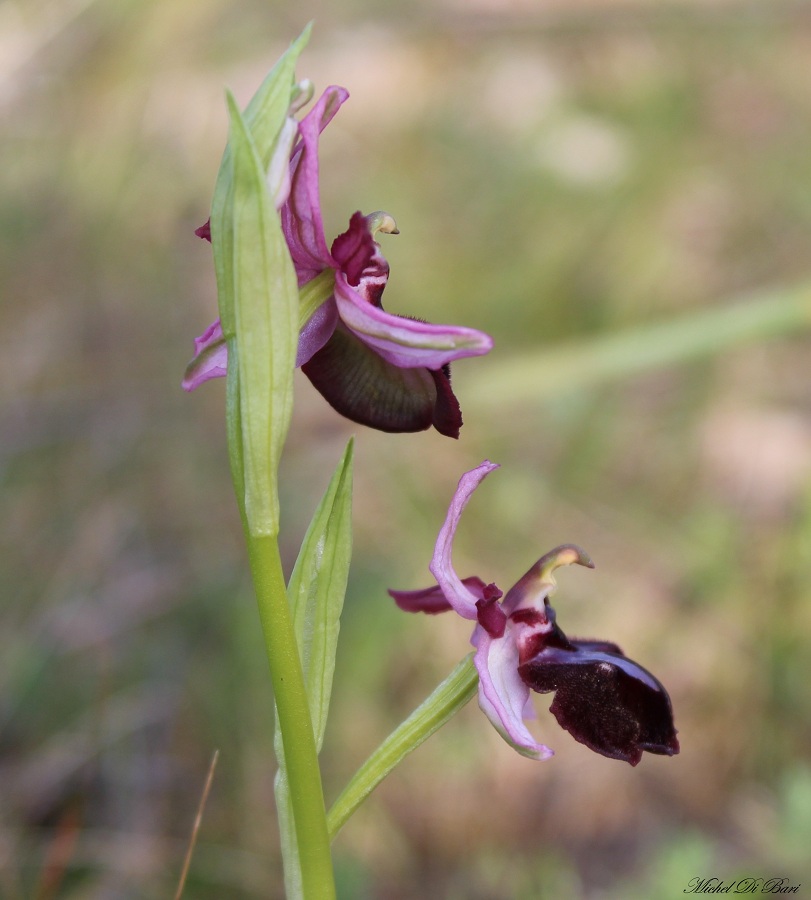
448,698
303,773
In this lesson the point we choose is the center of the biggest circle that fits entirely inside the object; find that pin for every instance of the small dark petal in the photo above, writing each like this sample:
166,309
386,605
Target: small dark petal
604,700
204,231
491,616
367,389
432,601
488,591
447,417
353,250
429,600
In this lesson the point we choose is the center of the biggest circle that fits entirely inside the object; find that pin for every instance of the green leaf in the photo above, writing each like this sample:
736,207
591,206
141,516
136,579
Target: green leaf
316,591
233,428
268,107
317,587
265,117
265,329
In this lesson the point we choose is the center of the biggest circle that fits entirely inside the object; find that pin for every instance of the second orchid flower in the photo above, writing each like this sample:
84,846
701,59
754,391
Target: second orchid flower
603,699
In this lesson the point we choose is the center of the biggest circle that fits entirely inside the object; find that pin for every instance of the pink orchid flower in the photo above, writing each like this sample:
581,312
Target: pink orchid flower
385,371
603,699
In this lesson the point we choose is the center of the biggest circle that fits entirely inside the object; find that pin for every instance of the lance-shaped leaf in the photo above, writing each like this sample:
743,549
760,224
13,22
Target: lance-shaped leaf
317,587
264,116
444,702
316,591
265,329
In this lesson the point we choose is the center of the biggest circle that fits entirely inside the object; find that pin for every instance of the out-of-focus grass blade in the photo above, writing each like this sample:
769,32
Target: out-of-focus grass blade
529,377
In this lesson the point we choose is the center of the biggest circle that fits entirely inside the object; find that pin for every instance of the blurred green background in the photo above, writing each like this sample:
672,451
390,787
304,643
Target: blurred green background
562,174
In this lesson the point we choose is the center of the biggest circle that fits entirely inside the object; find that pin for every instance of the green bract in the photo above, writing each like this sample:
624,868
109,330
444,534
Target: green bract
316,591
264,118
258,292
265,293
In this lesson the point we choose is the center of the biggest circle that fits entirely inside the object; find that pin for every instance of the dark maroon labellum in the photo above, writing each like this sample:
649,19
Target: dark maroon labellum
364,387
603,699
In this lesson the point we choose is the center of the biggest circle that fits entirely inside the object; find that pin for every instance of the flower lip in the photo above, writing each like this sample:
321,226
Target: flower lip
603,699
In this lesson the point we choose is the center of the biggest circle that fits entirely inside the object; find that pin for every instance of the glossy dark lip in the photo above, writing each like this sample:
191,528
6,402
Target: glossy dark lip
605,700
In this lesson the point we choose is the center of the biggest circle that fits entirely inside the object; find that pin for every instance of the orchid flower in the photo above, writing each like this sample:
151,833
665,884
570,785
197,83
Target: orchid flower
603,699
389,372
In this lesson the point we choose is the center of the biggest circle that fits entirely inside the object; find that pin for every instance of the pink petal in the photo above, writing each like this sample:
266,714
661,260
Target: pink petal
459,595
316,332
301,216
210,358
503,696
406,343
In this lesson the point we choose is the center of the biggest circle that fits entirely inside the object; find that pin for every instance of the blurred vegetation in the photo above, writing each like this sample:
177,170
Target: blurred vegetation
560,176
